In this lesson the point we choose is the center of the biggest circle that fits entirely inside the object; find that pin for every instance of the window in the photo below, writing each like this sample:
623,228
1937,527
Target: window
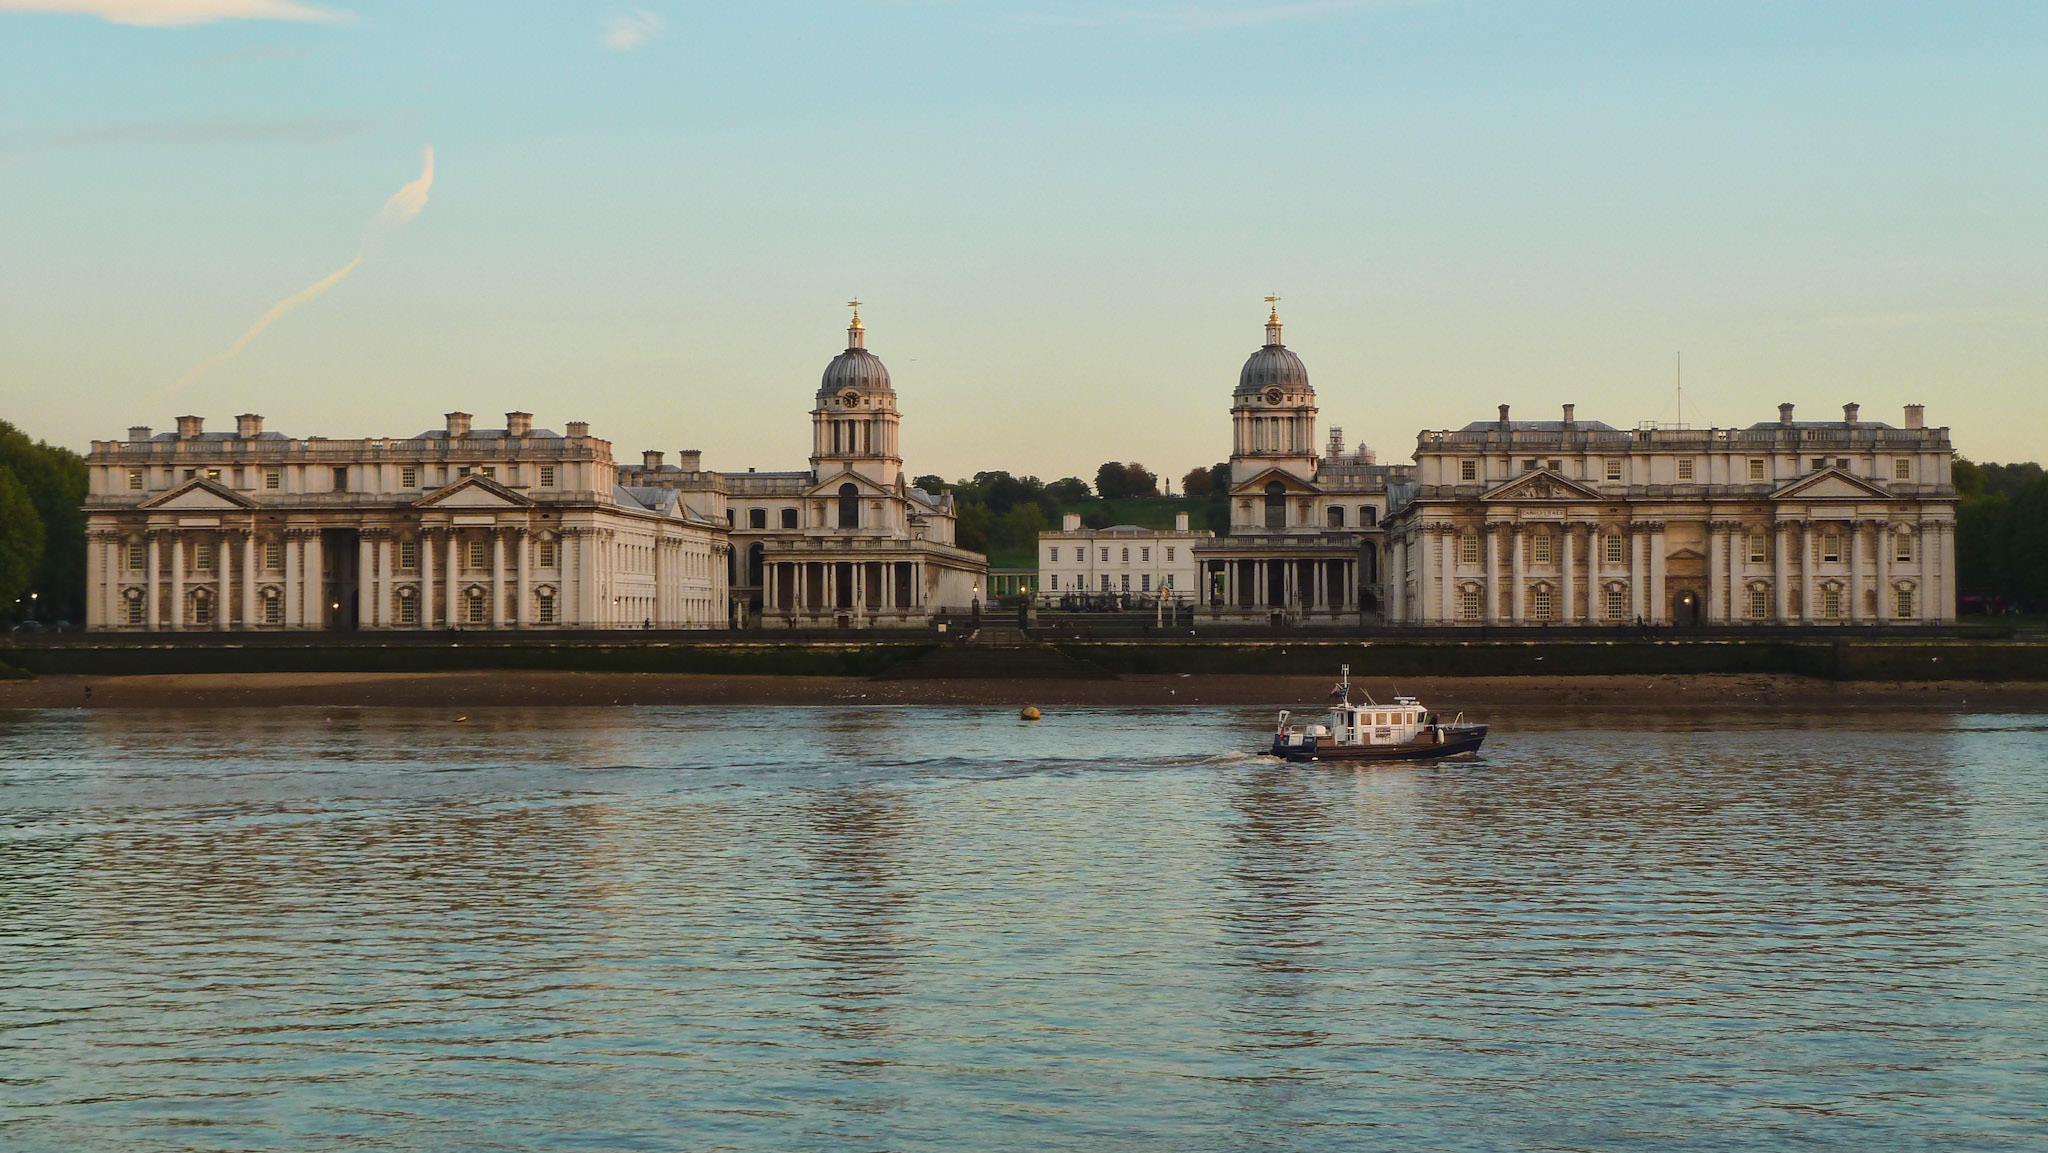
1368,516
1617,603
1831,602
1842,462
134,480
473,607
1529,465
490,473
1145,583
547,476
1335,516
1124,582
1901,470
1554,465
1144,556
1613,469
479,555
1759,548
849,505
1105,582
340,479
1105,556
1468,470
1539,548
1904,541
273,556
547,553
135,610
1055,580
1617,548
1819,463
408,610
409,555
202,557
1276,505
544,608
138,555
273,607
1468,548
1169,554
409,477
1127,556
757,518
213,474
1540,605
1052,555
1471,605
462,470
1831,546
190,473
1904,603
1685,469
1759,602
789,518
202,608
1756,469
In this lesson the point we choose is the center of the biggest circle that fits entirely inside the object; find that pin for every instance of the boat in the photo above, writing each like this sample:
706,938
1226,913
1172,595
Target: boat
1403,731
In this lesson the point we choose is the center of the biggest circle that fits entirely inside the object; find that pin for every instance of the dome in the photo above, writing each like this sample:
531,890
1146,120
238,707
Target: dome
856,368
1274,366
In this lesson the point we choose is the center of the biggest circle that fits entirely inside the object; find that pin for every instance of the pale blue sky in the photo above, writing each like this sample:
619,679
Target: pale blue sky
1062,215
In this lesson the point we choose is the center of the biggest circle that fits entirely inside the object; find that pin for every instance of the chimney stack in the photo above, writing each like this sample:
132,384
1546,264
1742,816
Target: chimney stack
690,459
1336,449
1071,522
137,433
190,427
518,423
578,429
1180,522
1785,413
1916,416
1568,421
248,426
650,459
458,424
1849,412
1503,416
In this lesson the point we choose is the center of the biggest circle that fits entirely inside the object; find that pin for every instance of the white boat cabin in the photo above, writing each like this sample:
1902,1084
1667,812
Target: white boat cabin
1364,724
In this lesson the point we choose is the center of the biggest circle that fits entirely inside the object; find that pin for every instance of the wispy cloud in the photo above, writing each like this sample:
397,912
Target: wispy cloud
404,204
178,13
627,31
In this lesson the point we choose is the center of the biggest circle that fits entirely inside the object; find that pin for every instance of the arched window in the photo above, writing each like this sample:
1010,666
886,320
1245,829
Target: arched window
1276,505
849,505
475,606
1336,516
757,518
789,518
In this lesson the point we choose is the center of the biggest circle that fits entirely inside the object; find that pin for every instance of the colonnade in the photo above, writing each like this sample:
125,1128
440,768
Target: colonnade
810,588
1306,584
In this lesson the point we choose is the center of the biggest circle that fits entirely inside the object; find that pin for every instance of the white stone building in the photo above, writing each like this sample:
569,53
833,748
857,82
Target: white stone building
455,528
848,542
1305,529
1121,560
1574,522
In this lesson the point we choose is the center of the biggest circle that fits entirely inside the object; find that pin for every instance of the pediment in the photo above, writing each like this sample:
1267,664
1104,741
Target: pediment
1256,485
1831,484
473,492
1541,484
829,486
201,495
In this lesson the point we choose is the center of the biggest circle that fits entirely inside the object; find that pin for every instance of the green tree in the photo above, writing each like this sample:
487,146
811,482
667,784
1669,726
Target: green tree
21,540
54,479
1068,490
1111,481
1196,483
1139,481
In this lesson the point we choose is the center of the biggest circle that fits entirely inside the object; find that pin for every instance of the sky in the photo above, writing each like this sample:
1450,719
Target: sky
1062,216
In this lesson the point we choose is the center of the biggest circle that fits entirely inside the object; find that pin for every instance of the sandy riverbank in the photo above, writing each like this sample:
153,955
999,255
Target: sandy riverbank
544,689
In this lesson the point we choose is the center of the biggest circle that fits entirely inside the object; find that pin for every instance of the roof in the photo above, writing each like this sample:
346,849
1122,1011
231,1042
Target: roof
1539,426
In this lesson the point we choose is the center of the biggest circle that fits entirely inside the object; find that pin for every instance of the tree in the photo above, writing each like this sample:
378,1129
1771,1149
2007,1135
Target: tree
1111,481
21,539
1068,490
54,480
1195,483
930,483
1139,481
1219,498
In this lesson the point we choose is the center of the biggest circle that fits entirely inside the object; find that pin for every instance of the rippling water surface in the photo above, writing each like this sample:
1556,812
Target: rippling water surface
944,929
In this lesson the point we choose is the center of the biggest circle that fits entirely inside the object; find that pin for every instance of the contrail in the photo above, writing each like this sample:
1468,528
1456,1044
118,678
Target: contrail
403,206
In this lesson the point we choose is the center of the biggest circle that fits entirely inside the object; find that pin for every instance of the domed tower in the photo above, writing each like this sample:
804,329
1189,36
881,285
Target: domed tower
853,424
1273,411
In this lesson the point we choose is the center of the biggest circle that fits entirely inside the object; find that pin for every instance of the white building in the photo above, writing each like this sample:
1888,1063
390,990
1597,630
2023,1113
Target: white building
1575,522
455,528
1120,560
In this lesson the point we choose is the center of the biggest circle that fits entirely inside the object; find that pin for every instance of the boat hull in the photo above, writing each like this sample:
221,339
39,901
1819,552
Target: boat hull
1456,742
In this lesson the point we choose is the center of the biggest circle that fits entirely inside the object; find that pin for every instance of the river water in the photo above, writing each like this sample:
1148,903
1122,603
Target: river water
946,929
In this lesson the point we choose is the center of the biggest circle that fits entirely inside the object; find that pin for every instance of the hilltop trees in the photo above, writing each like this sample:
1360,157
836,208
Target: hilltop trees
42,525
2002,531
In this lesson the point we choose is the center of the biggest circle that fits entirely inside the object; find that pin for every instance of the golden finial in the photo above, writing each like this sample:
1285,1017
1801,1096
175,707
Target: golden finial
854,304
1274,316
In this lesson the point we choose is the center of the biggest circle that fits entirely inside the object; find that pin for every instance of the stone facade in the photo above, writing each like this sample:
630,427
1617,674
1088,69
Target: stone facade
1121,560
455,528
1305,529
1574,522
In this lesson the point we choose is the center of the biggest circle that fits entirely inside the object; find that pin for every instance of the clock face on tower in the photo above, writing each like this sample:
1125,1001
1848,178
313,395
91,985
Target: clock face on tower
1272,396
849,398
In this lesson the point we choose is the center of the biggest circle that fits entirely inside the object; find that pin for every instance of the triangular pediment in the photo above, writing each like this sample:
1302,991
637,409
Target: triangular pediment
1256,484
829,486
1831,484
200,495
1541,484
473,491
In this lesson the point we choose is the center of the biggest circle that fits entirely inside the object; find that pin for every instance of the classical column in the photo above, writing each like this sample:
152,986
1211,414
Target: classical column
292,613
1571,536
1855,570
152,608
523,594
497,613
1638,544
1447,573
177,580
1517,597
1806,575
452,581
223,570
1660,608
1881,538
1397,600
366,581
1781,540
1942,588
315,601
426,597
249,578
1492,615
95,579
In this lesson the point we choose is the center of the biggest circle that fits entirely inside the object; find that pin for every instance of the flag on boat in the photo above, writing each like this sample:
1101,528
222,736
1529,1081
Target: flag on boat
1337,692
